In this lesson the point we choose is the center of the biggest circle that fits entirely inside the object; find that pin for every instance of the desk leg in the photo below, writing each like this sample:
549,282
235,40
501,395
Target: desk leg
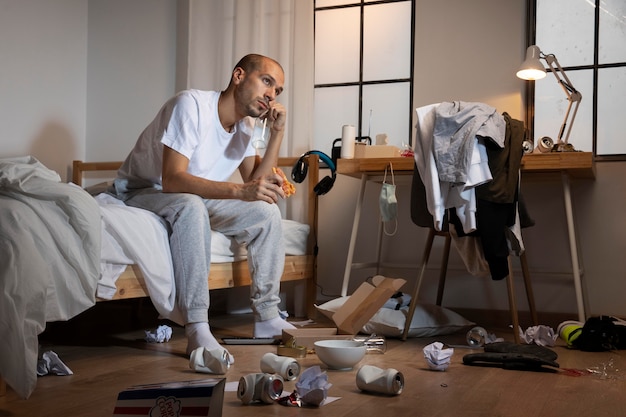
573,247
355,229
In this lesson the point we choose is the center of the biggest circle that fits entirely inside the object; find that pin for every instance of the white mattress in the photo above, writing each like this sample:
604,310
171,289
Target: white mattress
225,249
134,236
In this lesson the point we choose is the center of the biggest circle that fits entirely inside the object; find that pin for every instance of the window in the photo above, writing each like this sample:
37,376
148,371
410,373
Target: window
363,69
588,37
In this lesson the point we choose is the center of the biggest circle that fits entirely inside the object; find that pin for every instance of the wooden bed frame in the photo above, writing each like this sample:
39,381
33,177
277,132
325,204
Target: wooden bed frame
131,283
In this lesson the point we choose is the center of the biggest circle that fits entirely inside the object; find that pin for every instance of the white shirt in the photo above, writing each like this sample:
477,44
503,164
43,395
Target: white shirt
189,124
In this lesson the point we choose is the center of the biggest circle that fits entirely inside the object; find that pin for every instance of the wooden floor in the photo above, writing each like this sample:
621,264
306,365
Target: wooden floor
105,363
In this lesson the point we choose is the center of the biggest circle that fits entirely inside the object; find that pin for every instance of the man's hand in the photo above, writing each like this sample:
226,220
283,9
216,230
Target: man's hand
267,188
276,115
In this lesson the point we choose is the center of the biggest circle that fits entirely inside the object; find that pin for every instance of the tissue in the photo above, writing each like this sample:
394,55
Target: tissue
313,386
50,363
540,335
437,357
161,334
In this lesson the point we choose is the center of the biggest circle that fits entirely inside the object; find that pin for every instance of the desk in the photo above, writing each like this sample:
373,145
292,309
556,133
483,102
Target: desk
567,164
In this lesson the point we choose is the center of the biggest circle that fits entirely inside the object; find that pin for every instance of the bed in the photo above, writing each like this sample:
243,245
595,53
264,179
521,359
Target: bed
73,284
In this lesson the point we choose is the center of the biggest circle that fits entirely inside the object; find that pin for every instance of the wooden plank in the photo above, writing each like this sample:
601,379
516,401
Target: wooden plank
131,284
576,164
356,167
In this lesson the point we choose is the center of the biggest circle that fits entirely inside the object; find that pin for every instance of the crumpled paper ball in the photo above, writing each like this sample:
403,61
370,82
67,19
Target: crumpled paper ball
437,356
313,386
162,334
540,335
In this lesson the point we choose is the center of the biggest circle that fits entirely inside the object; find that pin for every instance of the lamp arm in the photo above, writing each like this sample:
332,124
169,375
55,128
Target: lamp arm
573,96
561,77
575,104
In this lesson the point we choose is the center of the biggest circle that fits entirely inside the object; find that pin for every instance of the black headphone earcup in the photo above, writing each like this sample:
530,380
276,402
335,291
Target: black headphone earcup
299,170
324,185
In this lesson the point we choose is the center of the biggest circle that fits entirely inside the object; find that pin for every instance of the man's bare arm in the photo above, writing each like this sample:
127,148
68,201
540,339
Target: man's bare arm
176,179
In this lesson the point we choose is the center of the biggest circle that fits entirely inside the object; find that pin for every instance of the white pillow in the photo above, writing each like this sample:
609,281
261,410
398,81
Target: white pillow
428,320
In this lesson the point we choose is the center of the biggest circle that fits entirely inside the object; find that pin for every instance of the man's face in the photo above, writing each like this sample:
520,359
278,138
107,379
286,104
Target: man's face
259,88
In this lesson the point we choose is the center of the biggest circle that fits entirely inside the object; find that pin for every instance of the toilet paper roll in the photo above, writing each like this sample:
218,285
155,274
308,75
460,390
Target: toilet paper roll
385,381
348,138
288,368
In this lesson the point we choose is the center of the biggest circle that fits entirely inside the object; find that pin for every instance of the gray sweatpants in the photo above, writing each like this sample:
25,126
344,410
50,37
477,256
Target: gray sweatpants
190,219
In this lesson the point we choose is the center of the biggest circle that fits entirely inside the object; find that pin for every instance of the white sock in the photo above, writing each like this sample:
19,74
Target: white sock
199,335
272,327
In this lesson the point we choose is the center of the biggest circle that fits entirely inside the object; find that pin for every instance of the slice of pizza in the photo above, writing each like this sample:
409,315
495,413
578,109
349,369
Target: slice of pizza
288,188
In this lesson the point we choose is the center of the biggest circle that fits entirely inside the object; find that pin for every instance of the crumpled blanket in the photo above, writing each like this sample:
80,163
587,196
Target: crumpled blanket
50,261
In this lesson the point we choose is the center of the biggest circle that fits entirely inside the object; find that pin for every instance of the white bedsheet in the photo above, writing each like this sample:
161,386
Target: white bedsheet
134,236
49,261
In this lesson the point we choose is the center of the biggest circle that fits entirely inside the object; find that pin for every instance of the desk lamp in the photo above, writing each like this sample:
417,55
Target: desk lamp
533,69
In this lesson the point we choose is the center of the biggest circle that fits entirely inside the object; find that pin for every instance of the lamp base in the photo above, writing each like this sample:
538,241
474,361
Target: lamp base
563,147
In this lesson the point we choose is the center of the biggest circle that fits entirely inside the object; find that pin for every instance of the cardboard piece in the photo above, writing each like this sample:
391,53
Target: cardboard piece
307,337
202,397
361,150
365,302
350,318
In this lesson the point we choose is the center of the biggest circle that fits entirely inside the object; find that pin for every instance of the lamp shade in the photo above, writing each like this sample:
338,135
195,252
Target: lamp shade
532,68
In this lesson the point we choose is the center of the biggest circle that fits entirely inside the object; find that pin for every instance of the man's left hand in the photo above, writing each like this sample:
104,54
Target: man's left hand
277,116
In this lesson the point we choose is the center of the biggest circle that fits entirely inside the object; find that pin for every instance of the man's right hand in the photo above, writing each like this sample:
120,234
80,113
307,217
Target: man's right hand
267,188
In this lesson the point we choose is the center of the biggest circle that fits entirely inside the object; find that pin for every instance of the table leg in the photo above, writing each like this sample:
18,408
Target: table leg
573,247
355,229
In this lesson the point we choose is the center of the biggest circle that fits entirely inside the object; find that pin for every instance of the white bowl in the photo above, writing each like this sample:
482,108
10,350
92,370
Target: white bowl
340,354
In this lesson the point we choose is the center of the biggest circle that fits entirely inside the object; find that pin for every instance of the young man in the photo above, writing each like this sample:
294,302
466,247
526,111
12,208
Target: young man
180,169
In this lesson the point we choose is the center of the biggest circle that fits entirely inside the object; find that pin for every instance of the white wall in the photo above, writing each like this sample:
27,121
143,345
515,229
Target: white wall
470,50
80,79
43,75
131,71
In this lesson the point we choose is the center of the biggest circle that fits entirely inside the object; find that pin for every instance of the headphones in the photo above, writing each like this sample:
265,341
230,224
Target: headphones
300,169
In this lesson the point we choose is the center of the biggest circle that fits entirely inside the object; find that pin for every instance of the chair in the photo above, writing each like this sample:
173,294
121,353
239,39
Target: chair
421,216
442,280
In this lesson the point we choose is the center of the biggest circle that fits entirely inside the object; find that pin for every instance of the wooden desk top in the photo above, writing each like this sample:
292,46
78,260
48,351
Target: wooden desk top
577,164
374,166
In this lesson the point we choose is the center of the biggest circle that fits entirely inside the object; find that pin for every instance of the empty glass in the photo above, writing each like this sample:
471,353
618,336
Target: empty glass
259,134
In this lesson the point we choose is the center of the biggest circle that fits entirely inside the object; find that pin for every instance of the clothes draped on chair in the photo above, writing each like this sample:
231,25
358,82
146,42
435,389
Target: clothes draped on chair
480,195
466,188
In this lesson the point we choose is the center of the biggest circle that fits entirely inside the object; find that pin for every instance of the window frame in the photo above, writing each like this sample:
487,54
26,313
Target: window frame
361,83
595,67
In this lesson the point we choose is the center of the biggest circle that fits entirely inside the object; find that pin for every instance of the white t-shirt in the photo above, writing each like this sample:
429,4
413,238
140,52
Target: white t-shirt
188,123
